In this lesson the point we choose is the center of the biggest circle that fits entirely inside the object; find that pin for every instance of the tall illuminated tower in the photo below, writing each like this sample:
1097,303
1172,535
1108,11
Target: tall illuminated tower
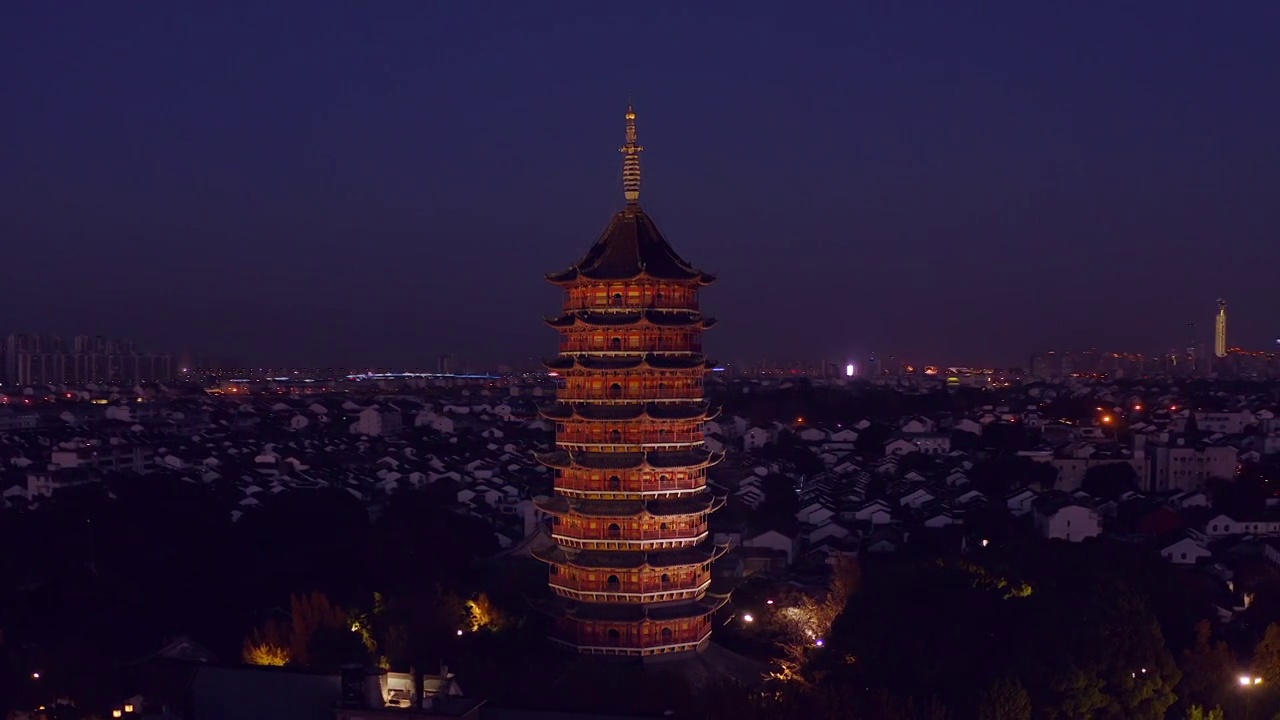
631,568
1220,330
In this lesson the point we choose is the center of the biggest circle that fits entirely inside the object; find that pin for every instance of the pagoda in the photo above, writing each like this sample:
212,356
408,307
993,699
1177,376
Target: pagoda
631,568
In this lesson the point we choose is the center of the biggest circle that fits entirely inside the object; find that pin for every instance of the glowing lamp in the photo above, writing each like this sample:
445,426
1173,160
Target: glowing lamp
128,707
848,370
117,713
748,618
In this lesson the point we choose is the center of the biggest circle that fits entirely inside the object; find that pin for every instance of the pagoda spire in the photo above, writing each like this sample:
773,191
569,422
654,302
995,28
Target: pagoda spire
631,161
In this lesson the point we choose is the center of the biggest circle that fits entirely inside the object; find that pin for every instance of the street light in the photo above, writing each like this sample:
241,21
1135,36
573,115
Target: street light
1247,682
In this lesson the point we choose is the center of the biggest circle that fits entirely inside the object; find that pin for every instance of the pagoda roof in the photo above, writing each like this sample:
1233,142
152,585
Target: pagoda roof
566,411
651,362
624,461
560,505
631,247
628,559
688,318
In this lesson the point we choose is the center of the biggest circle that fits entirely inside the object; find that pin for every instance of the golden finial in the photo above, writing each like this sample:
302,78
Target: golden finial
631,161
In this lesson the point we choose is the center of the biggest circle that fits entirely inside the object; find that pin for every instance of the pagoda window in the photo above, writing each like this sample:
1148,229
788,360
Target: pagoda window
555,519
664,479
615,343
615,390
615,436
613,584
615,483
666,635
662,386
616,300
613,635
555,569
615,531
657,297
666,579
663,526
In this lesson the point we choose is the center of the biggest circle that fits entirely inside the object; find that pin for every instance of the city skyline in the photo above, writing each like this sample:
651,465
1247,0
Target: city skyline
925,210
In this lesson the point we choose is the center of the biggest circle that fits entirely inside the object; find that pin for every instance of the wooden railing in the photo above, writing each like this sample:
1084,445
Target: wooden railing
574,394
607,438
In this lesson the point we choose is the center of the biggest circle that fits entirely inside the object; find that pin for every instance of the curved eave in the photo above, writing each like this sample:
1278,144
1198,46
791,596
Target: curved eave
572,275
563,277
563,460
629,319
627,413
690,507
627,560
645,362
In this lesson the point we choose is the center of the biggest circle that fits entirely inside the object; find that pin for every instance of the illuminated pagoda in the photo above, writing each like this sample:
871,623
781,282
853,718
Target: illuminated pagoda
631,570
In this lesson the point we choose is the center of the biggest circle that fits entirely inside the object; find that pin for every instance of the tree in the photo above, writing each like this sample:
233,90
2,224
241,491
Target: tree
1109,481
1206,668
1006,699
1266,656
808,624
1196,712
317,634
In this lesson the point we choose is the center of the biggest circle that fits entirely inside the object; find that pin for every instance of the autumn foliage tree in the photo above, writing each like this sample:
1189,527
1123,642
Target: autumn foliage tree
317,634
809,623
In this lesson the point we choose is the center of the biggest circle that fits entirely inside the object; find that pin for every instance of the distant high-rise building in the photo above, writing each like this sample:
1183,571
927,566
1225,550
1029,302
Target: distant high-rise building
632,565
1220,330
38,359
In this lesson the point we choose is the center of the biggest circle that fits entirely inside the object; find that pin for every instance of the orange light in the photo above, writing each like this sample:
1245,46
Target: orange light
1137,408
1106,419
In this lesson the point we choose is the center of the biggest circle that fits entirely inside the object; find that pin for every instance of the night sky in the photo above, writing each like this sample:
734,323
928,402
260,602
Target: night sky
329,182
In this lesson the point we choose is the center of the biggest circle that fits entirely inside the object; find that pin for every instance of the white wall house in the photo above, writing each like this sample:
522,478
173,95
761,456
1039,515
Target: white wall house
377,422
1060,519
1185,551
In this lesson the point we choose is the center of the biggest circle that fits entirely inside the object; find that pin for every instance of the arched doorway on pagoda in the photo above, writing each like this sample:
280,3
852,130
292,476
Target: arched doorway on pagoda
615,531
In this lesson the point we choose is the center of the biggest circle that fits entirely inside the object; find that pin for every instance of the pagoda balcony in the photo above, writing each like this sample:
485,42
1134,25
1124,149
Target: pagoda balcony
629,587
581,432
631,296
618,394
653,540
616,487
580,344
639,446
646,638
606,596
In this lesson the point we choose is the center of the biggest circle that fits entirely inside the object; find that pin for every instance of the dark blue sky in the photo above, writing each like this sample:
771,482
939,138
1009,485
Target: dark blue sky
380,182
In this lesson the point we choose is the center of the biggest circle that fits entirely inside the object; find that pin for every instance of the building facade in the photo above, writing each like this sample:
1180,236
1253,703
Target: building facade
631,571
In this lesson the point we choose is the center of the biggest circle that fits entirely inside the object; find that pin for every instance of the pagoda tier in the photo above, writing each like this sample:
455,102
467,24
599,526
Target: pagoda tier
587,365
652,318
688,460
615,413
630,524
632,563
638,293
631,628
